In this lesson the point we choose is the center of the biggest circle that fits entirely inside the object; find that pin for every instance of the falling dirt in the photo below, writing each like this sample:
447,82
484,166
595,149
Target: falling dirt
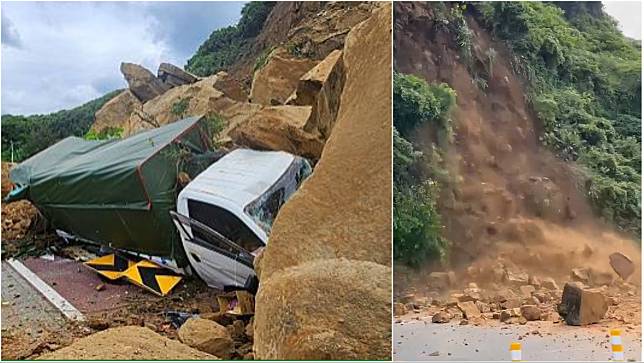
509,200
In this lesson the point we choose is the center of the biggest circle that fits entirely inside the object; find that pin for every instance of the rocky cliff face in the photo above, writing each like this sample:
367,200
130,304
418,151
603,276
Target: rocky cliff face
289,103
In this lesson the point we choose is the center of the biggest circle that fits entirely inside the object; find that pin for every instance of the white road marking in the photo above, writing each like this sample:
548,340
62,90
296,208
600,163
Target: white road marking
50,294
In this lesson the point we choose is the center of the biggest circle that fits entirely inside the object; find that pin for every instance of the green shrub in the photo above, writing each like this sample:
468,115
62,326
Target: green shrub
416,223
261,61
107,133
416,102
585,86
180,107
417,228
254,14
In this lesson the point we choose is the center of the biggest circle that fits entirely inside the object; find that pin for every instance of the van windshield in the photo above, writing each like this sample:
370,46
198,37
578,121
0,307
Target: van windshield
263,210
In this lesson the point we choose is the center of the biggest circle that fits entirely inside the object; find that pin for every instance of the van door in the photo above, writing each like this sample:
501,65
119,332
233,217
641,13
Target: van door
219,262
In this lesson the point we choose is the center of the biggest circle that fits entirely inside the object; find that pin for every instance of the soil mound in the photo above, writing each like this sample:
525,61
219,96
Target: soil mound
127,343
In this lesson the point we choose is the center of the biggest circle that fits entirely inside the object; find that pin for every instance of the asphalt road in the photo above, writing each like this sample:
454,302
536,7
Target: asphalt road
24,309
423,340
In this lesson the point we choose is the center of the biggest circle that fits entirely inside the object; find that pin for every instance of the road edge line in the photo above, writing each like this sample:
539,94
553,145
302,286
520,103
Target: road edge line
64,306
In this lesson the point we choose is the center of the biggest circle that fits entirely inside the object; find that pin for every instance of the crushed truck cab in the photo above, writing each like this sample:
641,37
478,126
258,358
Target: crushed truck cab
224,215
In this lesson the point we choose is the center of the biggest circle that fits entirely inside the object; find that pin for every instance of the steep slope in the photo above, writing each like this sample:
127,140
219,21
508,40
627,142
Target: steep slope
309,29
510,201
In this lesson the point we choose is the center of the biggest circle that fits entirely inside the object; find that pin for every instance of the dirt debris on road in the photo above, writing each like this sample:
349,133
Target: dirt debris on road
128,342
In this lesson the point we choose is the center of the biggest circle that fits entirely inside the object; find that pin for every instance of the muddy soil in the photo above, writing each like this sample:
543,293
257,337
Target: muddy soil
515,215
509,201
129,342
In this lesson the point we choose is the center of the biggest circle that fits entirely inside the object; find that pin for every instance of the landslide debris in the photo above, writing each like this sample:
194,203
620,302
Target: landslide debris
274,81
143,84
307,29
321,87
296,60
126,343
332,238
18,219
513,213
7,186
207,336
116,110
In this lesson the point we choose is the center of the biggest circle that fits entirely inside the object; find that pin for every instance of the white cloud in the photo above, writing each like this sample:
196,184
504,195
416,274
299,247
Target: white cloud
629,16
69,52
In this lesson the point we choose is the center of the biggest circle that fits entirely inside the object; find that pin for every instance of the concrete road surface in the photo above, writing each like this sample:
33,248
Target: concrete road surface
424,340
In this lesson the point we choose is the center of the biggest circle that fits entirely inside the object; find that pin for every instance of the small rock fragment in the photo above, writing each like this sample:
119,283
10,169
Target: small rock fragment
531,312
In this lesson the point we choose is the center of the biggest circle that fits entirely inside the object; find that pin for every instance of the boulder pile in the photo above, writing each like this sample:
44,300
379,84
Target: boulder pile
332,238
294,102
515,297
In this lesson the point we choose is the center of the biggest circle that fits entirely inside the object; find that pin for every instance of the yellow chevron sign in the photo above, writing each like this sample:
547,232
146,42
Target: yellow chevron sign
152,277
111,266
144,273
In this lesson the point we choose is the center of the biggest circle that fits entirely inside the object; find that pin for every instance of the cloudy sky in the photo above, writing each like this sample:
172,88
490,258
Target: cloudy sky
60,55
629,16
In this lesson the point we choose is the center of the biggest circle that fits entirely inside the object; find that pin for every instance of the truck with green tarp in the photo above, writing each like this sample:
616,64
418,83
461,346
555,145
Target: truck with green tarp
124,194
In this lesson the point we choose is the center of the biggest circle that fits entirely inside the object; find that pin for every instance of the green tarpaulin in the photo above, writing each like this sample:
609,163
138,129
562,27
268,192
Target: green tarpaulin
115,192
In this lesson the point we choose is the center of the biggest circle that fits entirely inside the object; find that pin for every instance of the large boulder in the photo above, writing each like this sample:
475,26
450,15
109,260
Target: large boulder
174,76
344,207
325,275
279,128
274,82
116,111
230,87
206,336
581,306
469,309
321,87
333,309
143,84
199,98
531,312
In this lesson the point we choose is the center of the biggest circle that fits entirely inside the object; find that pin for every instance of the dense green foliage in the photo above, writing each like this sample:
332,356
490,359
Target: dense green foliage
417,236
416,102
227,45
31,134
585,86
